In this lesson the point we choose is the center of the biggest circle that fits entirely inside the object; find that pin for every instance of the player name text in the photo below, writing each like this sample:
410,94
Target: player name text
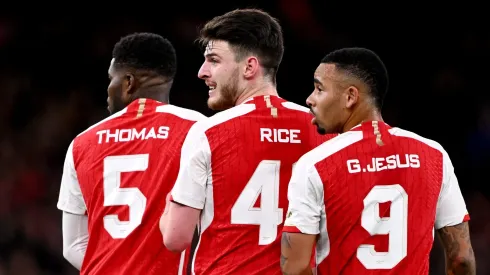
279,135
125,135
380,164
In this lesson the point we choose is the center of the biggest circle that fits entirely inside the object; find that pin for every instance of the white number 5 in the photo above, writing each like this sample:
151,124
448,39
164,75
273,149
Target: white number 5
131,196
395,226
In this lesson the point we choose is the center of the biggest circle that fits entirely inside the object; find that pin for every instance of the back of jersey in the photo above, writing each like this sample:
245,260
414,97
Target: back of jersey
253,149
125,166
381,189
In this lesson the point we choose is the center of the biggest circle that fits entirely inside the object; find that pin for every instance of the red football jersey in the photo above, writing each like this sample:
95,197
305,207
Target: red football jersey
236,166
118,172
374,195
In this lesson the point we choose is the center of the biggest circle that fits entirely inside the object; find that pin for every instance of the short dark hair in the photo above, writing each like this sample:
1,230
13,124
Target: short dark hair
248,31
366,66
146,51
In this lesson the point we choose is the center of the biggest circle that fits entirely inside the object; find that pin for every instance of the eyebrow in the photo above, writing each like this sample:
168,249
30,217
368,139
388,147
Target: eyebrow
317,81
211,55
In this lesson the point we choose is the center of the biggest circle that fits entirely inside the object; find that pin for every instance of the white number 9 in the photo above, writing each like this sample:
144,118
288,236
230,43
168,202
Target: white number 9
395,226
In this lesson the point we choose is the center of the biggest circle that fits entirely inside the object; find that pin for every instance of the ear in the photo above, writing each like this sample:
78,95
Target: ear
352,96
252,67
129,83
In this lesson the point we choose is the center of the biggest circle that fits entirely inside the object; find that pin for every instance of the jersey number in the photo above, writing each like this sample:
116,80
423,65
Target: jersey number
114,195
264,183
395,226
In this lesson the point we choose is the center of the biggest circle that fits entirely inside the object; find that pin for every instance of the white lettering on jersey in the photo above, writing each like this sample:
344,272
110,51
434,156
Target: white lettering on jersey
125,135
380,164
279,135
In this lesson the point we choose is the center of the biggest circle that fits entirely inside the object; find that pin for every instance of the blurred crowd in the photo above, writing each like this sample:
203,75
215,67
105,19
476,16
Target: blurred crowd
53,85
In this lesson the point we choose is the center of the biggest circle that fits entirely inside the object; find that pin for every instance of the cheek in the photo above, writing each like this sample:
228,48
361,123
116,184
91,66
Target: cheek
324,102
219,73
114,89
111,88
329,105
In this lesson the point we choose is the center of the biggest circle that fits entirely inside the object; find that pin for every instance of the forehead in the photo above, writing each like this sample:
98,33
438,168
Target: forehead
326,72
111,67
217,47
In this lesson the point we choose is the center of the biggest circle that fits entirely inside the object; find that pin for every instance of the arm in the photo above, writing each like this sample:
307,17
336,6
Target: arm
302,225
75,238
296,251
460,259
75,222
185,202
452,224
176,224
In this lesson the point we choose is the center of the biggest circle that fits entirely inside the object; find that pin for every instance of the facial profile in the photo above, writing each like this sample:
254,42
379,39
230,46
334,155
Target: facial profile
220,72
115,90
329,101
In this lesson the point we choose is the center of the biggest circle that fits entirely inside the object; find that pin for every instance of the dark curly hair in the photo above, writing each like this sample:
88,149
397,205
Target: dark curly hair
146,51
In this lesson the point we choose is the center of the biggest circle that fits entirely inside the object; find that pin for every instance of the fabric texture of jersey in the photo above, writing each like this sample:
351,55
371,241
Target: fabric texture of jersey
374,196
235,167
118,172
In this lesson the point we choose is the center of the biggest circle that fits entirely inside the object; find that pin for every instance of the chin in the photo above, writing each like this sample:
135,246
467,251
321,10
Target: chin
218,104
213,104
321,130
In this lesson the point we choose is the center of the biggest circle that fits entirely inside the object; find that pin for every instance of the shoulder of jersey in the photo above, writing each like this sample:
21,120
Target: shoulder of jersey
180,112
100,123
429,142
244,109
329,148
183,113
223,116
347,139
294,106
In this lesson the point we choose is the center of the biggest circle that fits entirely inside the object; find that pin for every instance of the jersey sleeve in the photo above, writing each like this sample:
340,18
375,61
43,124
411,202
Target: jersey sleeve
305,195
195,169
70,197
451,207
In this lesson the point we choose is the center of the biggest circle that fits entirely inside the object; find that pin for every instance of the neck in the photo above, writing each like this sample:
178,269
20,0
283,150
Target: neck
159,92
265,89
362,115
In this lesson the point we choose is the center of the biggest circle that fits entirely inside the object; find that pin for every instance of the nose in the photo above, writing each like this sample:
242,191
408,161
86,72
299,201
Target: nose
309,101
203,72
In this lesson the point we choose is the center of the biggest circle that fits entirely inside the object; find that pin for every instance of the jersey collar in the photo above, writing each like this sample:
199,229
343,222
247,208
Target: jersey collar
252,98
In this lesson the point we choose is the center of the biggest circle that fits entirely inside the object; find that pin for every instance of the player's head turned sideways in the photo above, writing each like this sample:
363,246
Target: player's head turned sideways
143,65
350,86
243,50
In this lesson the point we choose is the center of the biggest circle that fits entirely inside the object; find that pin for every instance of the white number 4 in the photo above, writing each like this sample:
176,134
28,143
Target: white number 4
264,182
395,226
114,195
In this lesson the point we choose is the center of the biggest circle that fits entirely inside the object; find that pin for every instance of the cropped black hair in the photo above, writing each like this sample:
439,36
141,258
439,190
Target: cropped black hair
365,65
146,51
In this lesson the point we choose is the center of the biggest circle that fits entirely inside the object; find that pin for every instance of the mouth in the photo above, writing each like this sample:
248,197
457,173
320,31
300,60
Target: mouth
313,120
211,87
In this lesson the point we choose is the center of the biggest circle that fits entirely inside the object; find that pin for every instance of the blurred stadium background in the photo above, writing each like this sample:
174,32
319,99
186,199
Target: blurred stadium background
53,79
